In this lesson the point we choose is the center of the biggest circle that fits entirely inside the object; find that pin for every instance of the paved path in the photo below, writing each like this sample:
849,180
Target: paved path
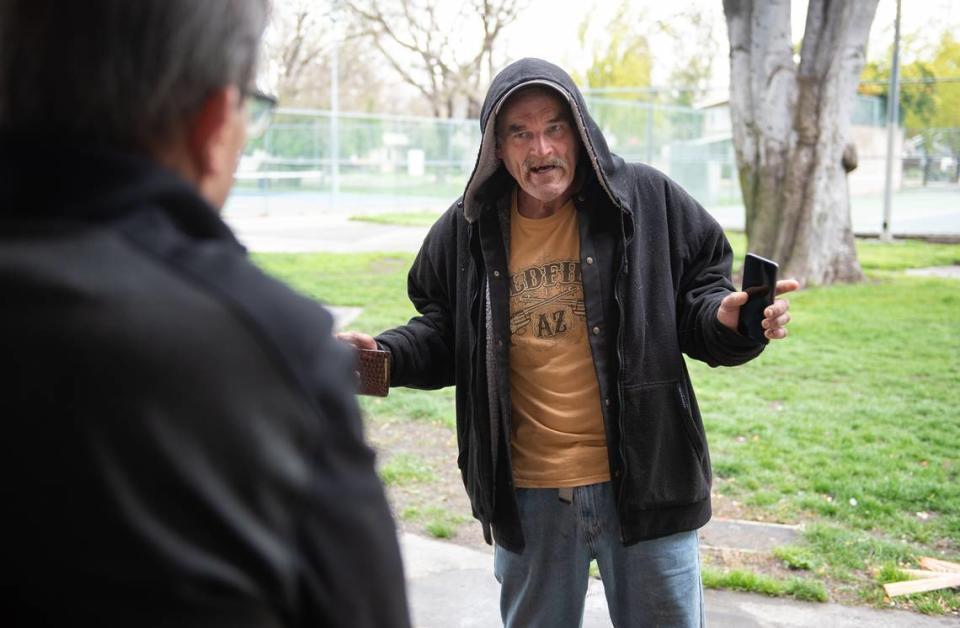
932,211
451,586
327,232
943,272
748,536
302,222
306,221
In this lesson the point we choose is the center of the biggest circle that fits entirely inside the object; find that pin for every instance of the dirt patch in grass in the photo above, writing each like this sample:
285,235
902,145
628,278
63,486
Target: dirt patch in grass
426,508
725,507
758,562
439,508
434,446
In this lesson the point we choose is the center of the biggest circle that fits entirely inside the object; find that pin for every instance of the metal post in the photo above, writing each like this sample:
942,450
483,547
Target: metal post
892,125
649,129
335,113
448,168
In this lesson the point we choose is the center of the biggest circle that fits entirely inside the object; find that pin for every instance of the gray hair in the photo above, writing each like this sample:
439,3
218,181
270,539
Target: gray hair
535,88
122,73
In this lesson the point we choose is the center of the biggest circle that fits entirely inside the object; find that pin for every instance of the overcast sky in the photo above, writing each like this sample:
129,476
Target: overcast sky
548,28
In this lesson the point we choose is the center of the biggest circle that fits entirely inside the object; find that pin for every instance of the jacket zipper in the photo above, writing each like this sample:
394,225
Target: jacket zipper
623,458
617,289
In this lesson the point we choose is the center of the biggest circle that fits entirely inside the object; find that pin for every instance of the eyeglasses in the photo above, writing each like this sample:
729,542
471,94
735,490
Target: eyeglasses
260,108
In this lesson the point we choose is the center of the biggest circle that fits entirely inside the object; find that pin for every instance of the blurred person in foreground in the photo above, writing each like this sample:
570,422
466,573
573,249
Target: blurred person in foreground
180,442
559,295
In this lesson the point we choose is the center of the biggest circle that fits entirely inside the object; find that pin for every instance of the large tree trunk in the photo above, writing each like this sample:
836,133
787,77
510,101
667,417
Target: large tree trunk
790,127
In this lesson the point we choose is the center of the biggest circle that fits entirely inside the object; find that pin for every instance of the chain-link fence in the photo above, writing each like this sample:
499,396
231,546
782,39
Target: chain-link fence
932,156
408,156
364,153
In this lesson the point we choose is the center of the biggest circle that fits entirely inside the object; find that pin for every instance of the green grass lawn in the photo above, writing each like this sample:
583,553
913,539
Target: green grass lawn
392,184
851,426
403,219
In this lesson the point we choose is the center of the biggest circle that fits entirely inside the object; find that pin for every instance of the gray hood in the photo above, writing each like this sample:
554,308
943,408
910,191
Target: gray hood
489,169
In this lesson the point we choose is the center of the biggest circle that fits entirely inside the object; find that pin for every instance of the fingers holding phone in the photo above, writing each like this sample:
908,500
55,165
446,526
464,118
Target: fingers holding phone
776,317
787,285
760,316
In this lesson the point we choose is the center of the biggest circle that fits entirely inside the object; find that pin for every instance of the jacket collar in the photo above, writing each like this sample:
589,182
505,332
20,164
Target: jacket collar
46,180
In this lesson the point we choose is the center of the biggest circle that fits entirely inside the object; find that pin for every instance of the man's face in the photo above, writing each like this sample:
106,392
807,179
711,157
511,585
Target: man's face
537,144
234,141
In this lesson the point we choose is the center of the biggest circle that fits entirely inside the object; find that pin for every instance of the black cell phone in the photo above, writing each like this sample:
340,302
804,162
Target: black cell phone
760,283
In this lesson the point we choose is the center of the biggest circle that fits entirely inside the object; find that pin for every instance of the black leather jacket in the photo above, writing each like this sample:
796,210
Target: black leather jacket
655,266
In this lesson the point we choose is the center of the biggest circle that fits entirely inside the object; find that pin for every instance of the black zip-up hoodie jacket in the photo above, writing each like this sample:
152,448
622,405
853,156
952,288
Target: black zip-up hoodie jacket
655,267
181,446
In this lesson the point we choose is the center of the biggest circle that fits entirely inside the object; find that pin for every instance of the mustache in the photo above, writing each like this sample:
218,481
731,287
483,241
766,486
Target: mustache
559,162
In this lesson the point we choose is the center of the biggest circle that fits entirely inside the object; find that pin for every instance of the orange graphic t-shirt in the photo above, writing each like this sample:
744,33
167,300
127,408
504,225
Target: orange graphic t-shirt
558,436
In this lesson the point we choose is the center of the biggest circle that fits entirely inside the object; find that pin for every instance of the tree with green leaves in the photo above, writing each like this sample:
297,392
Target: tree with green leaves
622,54
916,98
694,45
946,119
622,58
929,94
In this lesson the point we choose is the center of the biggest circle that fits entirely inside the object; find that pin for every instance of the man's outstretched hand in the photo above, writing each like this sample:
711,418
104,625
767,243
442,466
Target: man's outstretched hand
358,340
775,317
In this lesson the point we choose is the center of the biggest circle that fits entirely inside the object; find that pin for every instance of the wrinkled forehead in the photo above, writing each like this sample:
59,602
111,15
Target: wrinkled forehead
508,106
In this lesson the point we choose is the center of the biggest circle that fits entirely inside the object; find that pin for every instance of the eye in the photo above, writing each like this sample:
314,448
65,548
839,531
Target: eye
521,135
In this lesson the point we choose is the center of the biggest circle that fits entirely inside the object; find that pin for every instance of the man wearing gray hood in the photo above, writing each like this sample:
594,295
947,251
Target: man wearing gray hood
558,295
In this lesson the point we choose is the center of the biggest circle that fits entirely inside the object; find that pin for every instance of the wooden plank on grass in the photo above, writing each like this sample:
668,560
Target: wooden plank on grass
906,587
935,564
921,573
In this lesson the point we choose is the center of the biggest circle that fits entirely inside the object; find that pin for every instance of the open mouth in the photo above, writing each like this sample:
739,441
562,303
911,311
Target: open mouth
542,169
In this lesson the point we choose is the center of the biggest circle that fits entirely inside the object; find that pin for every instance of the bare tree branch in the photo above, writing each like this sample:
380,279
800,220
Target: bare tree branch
427,47
298,51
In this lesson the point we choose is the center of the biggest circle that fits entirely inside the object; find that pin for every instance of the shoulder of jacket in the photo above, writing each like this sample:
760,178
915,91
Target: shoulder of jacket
446,229
290,326
652,178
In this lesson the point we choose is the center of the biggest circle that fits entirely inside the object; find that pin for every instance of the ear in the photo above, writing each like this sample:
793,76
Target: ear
499,152
210,130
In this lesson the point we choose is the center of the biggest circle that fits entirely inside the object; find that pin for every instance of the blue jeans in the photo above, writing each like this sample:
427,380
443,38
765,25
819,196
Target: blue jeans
651,583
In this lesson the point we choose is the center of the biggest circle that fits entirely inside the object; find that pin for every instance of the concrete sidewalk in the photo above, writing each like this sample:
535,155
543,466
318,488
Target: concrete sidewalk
297,222
451,586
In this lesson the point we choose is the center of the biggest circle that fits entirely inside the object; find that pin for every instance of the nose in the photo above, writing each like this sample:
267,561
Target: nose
541,145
